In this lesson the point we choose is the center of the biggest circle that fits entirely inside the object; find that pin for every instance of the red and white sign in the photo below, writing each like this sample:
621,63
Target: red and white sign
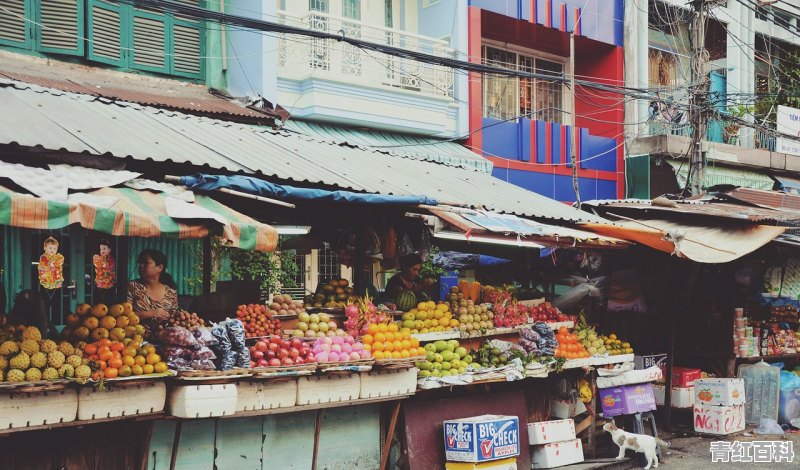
720,420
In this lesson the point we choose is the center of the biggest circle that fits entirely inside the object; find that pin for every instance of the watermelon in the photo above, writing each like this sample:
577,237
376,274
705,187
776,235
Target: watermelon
406,300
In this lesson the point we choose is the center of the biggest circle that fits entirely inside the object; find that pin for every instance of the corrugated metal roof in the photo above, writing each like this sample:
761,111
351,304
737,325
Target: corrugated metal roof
718,174
767,199
708,209
421,148
143,89
34,116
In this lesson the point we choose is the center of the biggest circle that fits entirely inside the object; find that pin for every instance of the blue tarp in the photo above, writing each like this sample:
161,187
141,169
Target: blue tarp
250,185
453,260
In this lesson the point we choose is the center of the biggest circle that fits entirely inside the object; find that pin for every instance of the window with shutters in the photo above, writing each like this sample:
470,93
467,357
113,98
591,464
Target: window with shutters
107,31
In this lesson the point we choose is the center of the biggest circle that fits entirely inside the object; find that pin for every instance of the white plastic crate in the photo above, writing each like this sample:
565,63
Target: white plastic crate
388,382
132,399
36,409
266,395
328,388
545,432
203,401
557,454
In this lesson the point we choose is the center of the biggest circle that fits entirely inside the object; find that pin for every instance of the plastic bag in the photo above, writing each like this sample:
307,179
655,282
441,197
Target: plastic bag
178,336
179,363
236,333
768,426
203,354
203,364
242,358
789,381
204,337
226,360
592,288
177,352
404,245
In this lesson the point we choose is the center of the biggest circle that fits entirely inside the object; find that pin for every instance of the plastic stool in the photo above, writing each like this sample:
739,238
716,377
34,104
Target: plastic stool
638,427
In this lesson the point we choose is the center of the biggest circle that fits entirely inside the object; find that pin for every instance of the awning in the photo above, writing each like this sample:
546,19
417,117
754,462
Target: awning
717,174
61,121
132,213
790,185
701,243
441,151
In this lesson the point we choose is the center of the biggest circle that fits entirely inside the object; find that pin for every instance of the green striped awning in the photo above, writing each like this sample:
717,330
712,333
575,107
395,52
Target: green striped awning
717,174
135,213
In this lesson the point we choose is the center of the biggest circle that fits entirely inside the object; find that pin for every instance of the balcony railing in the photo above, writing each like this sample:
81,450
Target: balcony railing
302,57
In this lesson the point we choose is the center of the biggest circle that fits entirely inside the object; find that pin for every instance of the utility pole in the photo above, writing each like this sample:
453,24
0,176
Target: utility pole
699,96
574,140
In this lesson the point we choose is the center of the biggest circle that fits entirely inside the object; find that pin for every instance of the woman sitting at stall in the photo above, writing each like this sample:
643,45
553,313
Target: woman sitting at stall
153,295
408,277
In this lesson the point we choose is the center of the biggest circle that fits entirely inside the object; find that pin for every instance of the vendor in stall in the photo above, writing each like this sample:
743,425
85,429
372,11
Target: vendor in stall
153,295
408,277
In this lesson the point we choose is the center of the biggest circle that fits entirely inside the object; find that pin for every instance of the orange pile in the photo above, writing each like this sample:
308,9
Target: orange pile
385,341
111,359
568,345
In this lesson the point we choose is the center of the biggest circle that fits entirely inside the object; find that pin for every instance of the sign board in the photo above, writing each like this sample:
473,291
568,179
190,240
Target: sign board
481,438
720,420
788,123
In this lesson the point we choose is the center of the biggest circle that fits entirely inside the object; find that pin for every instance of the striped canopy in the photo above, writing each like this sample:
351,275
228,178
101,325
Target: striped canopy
134,213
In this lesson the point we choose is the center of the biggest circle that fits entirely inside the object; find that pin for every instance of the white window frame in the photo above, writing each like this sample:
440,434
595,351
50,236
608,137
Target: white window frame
566,93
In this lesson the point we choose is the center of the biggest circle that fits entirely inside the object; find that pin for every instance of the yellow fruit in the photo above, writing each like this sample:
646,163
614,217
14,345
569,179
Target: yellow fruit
38,360
108,322
99,333
66,371
74,360
83,372
81,333
128,361
29,346
137,370
116,334
66,348
8,348
91,322
147,369
160,367
130,331
133,319
127,307
3,363
99,310
15,375
139,360
50,374
21,361
125,371
116,310
153,358
56,359
83,309
48,346
122,321
33,333
33,375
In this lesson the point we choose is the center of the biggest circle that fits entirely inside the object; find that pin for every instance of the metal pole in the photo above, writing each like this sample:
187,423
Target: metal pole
697,102
573,139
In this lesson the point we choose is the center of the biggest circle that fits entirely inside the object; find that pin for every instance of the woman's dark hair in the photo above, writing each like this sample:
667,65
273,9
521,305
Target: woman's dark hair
105,242
158,258
410,260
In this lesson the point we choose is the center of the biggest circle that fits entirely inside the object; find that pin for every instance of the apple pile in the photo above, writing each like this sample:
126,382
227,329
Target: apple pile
315,325
258,321
547,313
339,349
276,351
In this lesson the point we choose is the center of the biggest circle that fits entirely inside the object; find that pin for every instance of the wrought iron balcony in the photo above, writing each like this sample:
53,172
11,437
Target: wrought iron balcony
303,57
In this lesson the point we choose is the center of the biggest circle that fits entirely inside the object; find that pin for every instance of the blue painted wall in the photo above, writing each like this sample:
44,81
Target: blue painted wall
598,153
558,187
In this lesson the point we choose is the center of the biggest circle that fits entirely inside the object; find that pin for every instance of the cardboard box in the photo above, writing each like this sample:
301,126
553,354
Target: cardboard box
719,420
565,409
546,432
721,392
684,376
504,464
481,438
682,397
626,400
789,405
557,454
649,360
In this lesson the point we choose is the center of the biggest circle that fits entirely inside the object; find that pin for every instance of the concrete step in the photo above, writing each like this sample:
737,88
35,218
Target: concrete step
604,464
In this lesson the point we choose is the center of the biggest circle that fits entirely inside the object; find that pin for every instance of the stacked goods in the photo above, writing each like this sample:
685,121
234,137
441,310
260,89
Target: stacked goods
386,342
600,345
488,356
111,359
427,317
93,323
230,349
510,315
538,340
335,293
339,349
474,317
316,325
283,304
547,313
554,444
275,351
568,345
361,313
463,298
187,350
615,346
183,319
444,358
259,320
720,404
32,358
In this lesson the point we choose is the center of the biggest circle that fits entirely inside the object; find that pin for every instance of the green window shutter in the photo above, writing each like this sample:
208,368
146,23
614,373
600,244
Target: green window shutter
187,44
150,37
105,32
14,29
61,26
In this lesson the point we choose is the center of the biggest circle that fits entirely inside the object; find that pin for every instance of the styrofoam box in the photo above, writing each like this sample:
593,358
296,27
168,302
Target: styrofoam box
203,401
266,395
505,464
721,392
546,432
564,409
328,388
388,382
36,409
682,397
719,420
145,397
557,454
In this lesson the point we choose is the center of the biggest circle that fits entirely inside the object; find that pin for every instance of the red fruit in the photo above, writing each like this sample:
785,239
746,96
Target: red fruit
263,363
261,346
285,344
275,340
258,355
274,362
283,353
310,358
294,353
252,364
273,347
296,343
287,362
270,354
299,360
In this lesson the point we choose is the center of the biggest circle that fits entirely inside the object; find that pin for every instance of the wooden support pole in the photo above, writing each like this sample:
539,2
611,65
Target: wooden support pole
207,261
387,445
317,429
592,442
176,440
